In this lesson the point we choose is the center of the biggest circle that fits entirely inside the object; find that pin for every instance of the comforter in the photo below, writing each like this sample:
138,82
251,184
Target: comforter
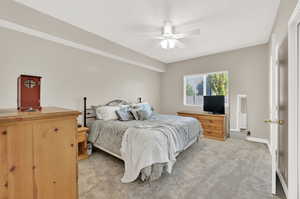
179,131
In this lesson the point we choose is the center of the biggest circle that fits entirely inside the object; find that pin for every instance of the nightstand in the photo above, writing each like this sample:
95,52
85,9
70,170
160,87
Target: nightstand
82,143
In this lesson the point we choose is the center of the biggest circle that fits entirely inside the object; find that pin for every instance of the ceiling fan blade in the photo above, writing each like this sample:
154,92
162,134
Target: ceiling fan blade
192,33
159,37
148,35
179,36
180,44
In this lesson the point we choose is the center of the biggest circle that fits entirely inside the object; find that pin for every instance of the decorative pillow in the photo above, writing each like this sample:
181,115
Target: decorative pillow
134,112
143,114
107,112
124,114
144,106
94,108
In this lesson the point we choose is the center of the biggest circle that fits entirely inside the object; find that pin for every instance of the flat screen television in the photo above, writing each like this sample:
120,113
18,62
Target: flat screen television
214,104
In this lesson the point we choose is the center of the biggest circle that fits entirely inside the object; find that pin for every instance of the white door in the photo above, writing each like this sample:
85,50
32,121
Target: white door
274,113
283,130
279,114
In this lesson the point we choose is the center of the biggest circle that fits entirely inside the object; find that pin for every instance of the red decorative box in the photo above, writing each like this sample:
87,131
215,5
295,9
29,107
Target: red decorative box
29,93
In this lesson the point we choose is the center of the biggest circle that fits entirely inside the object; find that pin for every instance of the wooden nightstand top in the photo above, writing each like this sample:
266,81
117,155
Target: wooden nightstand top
83,129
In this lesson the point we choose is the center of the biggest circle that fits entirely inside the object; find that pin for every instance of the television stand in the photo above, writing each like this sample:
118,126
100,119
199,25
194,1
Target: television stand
215,126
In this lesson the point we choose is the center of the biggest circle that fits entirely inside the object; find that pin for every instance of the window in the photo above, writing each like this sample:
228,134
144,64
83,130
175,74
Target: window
197,86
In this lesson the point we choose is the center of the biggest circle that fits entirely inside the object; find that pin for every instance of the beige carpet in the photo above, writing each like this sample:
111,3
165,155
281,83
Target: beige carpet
235,169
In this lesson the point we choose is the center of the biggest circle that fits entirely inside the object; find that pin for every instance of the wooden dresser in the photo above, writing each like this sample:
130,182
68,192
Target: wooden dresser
38,154
214,126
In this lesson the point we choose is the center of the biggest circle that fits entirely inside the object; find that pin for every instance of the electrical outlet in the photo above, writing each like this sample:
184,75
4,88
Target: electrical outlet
248,133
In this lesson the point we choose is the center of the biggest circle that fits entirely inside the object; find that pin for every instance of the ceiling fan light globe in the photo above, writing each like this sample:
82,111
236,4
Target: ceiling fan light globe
164,44
172,43
168,43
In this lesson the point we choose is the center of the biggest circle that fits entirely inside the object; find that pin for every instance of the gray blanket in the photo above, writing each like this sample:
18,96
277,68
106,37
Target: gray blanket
108,134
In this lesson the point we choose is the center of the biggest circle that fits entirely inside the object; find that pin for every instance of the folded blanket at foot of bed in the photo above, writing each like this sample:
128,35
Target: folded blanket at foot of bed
145,146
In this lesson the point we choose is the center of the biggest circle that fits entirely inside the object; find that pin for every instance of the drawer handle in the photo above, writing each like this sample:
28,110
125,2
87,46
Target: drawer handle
56,130
12,169
4,132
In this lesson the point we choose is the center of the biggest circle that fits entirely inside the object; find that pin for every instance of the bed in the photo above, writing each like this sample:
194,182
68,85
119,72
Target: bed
154,143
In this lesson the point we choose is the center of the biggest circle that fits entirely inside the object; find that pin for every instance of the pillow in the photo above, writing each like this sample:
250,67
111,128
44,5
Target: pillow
124,114
143,114
107,112
94,108
134,112
144,106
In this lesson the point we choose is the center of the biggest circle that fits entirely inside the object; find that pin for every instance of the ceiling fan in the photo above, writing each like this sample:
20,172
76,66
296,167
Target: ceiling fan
170,39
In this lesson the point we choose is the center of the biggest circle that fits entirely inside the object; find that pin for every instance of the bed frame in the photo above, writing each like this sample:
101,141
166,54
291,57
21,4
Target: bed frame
88,113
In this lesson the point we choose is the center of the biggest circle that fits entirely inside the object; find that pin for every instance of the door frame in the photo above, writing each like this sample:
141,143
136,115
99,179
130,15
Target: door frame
294,108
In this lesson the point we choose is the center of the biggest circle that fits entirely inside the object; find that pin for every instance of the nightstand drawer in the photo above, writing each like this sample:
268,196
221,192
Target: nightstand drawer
82,137
82,141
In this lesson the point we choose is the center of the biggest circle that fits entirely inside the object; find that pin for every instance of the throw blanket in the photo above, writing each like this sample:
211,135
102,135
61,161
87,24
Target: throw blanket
145,145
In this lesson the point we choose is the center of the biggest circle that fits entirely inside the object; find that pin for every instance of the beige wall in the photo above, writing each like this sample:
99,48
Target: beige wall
70,74
248,74
30,18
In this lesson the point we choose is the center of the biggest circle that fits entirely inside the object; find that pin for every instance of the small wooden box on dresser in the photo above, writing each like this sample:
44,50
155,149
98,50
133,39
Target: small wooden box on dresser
38,154
214,126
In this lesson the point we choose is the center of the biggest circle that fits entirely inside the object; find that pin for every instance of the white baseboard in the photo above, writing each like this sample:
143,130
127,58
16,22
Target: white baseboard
284,186
260,140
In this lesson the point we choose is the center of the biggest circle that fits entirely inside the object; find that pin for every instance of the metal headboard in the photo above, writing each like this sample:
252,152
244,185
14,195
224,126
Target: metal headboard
88,113
117,102
84,111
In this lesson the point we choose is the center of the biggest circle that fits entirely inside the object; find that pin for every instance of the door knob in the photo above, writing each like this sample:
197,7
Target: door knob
280,122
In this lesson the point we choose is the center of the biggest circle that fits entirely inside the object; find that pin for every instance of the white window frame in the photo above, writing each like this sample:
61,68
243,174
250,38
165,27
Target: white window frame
204,85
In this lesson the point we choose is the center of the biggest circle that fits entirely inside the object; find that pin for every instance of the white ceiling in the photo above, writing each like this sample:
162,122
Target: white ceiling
224,24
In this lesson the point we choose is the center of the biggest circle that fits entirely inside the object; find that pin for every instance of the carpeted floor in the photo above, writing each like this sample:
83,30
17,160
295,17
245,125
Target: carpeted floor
235,169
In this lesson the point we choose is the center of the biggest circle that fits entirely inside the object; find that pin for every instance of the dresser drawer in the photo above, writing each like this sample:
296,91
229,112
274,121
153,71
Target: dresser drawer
214,126
211,119
216,133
